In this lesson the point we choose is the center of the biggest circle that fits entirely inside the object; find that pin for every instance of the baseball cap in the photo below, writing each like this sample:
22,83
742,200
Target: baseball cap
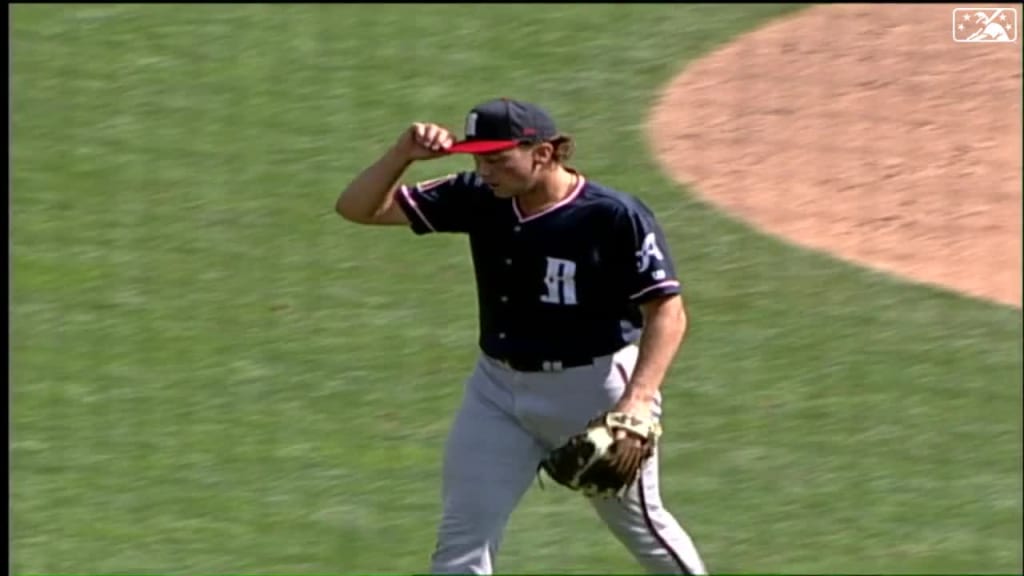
502,124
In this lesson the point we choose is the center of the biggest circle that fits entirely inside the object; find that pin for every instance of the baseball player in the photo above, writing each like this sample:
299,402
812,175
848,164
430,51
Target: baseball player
580,317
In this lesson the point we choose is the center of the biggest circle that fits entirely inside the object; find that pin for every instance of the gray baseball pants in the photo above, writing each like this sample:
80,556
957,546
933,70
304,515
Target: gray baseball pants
507,423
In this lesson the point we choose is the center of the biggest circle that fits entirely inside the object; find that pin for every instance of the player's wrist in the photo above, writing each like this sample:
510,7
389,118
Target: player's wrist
639,397
636,402
400,156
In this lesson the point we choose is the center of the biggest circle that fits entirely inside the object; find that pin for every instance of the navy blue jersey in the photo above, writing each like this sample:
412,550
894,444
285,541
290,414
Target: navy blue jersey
564,283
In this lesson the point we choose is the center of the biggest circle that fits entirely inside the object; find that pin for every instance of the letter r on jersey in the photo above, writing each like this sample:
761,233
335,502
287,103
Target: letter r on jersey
561,282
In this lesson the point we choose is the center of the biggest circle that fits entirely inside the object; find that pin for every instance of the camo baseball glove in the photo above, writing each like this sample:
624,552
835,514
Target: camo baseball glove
595,463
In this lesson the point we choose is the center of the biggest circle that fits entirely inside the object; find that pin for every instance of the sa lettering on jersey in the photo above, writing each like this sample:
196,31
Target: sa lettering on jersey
561,282
648,250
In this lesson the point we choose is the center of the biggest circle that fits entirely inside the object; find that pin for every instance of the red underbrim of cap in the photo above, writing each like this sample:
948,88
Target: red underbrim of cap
481,146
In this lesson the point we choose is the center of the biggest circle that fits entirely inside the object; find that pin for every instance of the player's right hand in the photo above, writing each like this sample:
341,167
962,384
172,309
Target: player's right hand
423,141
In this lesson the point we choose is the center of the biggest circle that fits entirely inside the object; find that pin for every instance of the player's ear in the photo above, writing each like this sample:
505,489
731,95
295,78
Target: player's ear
543,153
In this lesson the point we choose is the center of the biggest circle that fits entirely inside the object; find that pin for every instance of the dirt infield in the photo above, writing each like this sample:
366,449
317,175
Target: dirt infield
864,131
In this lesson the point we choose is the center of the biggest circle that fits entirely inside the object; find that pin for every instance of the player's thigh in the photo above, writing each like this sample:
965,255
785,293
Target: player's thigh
617,371
640,502
652,533
488,454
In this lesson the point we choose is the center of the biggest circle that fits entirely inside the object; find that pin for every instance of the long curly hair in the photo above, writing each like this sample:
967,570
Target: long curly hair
565,146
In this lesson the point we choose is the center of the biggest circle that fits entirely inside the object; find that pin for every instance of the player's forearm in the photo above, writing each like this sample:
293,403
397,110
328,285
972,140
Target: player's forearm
370,193
664,329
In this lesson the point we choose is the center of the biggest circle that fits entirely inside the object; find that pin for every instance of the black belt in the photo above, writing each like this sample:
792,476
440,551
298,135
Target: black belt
524,365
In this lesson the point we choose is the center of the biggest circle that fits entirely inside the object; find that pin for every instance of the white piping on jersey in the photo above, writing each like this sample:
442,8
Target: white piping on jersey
658,285
412,202
572,196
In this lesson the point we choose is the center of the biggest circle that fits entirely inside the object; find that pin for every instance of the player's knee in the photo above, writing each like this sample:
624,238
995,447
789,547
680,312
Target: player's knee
473,522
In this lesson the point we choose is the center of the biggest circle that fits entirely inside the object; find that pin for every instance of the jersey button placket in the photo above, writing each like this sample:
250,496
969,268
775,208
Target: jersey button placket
504,297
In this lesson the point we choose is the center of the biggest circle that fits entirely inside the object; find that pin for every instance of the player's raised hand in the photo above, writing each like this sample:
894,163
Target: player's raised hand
423,141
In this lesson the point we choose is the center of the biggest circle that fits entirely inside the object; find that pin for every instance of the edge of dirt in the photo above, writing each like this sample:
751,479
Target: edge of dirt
873,137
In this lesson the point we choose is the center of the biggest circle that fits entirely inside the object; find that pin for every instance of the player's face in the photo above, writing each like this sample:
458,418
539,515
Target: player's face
509,172
502,171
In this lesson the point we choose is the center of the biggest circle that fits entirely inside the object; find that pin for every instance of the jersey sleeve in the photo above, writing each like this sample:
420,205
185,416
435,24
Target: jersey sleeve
645,262
441,204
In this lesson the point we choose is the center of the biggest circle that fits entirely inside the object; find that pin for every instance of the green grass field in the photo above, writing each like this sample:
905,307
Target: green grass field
214,374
